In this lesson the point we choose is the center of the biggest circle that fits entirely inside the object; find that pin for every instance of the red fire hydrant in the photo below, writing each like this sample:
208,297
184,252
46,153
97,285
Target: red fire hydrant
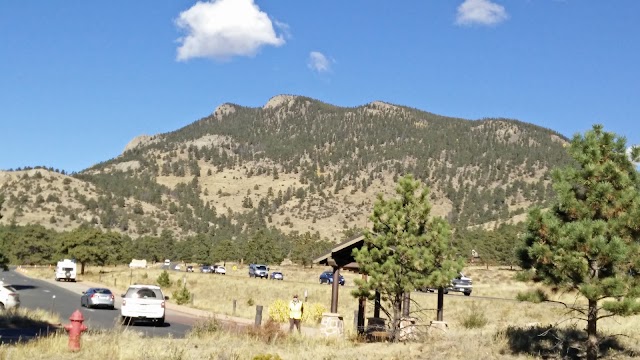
75,329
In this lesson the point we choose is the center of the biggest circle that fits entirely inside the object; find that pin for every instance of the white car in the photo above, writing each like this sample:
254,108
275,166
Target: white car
143,302
220,270
9,297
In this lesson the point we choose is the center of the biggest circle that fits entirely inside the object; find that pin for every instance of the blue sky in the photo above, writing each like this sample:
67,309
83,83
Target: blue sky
79,80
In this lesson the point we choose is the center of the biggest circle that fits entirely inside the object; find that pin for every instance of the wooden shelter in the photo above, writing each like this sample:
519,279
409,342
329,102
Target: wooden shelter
341,258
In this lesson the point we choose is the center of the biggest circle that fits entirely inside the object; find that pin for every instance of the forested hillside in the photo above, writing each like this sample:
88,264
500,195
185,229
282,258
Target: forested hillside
295,166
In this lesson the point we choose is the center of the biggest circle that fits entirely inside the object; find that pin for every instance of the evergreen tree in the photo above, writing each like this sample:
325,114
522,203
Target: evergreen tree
589,241
405,250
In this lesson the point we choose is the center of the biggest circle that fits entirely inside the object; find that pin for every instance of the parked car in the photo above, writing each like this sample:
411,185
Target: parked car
460,283
220,270
277,275
9,297
205,269
97,297
143,302
261,271
327,278
189,268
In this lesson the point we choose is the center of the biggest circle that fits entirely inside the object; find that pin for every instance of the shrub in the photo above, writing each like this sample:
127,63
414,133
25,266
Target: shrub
204,328
182,296
313,313
524,275
163,280
534,296
250,302
475,318
267,357
279,311
270,332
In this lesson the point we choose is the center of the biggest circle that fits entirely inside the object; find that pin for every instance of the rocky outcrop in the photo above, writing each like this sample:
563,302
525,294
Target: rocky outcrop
139,141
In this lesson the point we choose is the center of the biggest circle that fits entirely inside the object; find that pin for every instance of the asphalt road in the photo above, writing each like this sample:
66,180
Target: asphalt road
64,298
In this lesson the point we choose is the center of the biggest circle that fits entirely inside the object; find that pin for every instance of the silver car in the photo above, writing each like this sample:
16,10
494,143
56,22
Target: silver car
97,297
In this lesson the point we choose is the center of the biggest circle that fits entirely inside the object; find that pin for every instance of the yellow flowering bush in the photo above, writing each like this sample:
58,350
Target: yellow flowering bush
313,312
279,312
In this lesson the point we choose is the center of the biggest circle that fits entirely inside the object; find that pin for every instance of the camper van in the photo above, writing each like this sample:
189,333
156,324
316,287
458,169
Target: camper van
66,270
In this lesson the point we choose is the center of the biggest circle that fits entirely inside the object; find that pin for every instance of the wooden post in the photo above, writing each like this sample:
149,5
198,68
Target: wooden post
362,303
235,304
258,315
334,289
440,310
406,303
376,305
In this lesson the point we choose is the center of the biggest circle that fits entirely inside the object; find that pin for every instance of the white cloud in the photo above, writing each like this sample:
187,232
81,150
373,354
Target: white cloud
319,62
221,29
482,12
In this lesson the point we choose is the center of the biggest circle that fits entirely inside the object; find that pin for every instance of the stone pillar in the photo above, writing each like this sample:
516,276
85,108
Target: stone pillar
438,326
332,325
408,330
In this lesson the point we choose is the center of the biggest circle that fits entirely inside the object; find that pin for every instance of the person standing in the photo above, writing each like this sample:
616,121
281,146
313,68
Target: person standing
295,313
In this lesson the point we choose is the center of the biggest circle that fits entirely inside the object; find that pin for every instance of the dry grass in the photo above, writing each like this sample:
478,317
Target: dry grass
511,329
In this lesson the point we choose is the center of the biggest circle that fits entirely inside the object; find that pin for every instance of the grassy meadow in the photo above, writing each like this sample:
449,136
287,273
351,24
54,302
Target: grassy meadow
488,324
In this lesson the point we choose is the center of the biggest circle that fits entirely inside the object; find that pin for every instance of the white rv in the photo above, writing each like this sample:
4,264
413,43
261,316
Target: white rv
66,270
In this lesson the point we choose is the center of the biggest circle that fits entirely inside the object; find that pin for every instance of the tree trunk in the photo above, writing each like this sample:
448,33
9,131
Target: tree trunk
440,313
592,340
397,309
81,268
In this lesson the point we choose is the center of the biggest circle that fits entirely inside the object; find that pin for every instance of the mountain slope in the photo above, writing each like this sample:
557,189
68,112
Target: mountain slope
302,165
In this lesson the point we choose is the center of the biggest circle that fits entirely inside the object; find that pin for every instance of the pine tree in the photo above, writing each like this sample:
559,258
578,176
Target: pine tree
405,250
589,241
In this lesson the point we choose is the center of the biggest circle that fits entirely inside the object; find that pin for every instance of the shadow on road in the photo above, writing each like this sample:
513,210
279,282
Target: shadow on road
147,324
24,287
548,342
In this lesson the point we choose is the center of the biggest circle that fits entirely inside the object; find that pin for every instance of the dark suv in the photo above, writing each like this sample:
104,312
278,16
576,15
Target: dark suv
261,271
327,278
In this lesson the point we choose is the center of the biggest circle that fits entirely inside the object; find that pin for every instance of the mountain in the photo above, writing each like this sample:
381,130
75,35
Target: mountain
295,164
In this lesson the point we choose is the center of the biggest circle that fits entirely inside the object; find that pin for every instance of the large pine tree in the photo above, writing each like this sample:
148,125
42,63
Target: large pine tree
589,241
406,249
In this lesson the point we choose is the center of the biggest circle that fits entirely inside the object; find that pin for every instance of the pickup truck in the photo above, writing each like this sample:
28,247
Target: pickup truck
460,283
143,302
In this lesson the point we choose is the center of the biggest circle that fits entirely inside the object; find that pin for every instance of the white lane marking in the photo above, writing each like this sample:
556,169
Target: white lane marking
46,291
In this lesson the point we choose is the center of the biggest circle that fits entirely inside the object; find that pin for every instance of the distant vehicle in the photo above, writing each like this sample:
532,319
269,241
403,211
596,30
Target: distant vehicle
177,267
143,302
9,297
460,283
66,270
189,268
220,270
138,264
277,275
327,278
167,262
205,269
97,297
257,270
